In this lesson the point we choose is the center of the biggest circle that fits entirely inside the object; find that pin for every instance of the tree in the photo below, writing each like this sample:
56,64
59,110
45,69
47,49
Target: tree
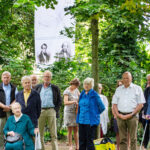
17,33
122,26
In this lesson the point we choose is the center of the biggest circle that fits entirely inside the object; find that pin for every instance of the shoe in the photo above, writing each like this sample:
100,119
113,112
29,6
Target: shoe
70,148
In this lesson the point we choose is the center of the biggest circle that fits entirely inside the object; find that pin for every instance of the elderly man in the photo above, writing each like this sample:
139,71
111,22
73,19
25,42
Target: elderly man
34,80
7,95
51,102
128,101
29,100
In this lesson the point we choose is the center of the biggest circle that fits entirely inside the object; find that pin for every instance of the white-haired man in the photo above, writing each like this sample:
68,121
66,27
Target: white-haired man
29,100
128,101
8,92
51,102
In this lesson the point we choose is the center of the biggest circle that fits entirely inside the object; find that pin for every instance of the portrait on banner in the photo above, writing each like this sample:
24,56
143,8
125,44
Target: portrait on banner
50,45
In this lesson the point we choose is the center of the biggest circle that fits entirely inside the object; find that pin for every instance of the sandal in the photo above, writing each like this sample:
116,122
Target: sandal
71,148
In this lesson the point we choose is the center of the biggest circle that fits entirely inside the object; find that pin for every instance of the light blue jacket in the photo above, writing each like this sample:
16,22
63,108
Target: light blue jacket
24,127
96,107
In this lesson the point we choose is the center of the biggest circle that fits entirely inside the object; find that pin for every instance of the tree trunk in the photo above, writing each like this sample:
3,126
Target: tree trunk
95,32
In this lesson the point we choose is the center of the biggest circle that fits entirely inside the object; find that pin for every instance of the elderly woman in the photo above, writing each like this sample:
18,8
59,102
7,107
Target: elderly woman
88,117
21,124
104,116
29,100
71,97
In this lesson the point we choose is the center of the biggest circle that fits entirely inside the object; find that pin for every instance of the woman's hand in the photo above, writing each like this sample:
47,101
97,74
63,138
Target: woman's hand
36,130
147,117
75,102
11,133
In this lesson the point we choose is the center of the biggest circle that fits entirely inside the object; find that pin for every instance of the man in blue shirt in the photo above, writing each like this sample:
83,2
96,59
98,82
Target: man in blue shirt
50,103
7,95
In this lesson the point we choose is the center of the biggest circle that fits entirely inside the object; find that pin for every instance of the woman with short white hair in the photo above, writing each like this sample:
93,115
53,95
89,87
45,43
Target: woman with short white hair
21,124
104,116
88,117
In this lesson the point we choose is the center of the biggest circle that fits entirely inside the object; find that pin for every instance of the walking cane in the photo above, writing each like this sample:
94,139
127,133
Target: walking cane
143,135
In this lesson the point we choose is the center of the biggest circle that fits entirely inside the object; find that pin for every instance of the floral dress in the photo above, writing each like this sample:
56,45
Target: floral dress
70,110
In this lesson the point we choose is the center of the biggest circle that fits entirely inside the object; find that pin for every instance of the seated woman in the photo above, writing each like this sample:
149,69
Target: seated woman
21,124
88,117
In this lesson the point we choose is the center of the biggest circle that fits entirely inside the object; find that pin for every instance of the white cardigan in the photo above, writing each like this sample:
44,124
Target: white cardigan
104,119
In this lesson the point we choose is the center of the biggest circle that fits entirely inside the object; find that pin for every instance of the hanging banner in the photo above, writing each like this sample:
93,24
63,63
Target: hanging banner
50,46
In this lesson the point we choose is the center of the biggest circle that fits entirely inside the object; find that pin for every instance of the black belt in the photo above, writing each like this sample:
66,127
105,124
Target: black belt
125,113
47,107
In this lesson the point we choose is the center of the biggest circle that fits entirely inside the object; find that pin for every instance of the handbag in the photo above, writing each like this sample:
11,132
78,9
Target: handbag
37,142
12,139
104,144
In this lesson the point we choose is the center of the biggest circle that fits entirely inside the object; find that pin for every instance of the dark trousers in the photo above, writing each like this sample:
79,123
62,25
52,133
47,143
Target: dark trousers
146,137
86,136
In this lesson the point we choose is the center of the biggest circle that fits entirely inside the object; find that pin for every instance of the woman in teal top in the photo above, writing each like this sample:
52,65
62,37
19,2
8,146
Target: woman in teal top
21,124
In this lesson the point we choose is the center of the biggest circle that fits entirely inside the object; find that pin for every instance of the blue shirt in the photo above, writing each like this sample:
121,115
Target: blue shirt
90,108
7,90
148,108
84,117
46,95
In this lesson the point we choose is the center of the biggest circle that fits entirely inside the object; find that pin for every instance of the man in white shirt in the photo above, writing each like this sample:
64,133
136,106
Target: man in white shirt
128,101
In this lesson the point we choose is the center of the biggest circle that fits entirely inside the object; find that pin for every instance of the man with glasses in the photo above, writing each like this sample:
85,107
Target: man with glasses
51,102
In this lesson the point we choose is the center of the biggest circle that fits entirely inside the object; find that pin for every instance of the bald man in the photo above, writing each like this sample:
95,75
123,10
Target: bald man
128,101
34,80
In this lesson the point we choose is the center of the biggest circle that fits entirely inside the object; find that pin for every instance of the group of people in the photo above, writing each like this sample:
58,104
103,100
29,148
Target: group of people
28,111
33,107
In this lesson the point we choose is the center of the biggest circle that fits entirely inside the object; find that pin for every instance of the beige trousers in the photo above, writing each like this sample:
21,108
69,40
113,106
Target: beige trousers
125,126
49,116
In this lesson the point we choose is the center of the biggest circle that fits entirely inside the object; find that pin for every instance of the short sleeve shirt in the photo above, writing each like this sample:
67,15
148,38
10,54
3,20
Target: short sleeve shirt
128,98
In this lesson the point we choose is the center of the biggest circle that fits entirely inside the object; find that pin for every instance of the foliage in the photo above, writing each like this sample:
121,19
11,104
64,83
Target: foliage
123,25
33,3
17,35
121,31
17,68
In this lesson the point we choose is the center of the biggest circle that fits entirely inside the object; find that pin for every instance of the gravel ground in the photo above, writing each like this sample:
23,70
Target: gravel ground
61,145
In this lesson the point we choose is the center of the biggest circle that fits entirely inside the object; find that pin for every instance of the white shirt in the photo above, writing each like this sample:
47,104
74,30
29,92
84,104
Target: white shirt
104,119
128,98
17,118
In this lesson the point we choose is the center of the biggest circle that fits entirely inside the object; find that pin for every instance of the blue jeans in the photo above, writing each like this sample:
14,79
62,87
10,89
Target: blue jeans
86,136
